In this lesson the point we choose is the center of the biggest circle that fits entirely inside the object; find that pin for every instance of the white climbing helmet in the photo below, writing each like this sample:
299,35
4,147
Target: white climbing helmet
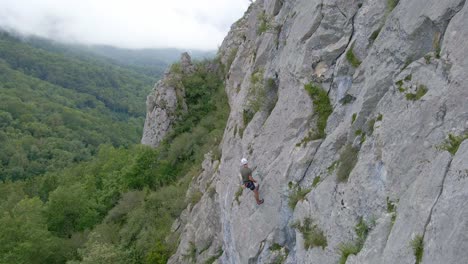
244,161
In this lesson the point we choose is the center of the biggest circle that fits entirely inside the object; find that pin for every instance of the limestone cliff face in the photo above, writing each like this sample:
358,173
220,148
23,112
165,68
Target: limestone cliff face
397,81
164,101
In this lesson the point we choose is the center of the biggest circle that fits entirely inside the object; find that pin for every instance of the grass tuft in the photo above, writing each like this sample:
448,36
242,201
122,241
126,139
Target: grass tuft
265,23
420,92
391,4
370,127
322,107
379,117
313,235
239,194
353,118
310,136
191,254
347,249
212,192
316,181
332,167
212,259
417,244
275,247
297,195
391,209
195,197
354,247
347,99
436,44
375,34
452,143
351,57
348,159
408,61
247,116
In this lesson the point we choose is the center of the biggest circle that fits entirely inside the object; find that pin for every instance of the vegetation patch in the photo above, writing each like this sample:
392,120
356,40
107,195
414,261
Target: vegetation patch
348,159
436,44
379,117
265,23
230,58
212,259
347,249
391,4
247,116
275,247
332,167
370,126
391,209
257,91
297,195
205,248
375,34
363,138
351,57
271,93
420,92
212,192
408,61
322,107
280,252
452,143
354,247
262,96
309,137
312,234
195,197
238,194
316,181
353,118
399,84
191,254
417,244
347,99
241,132
428,58
281,258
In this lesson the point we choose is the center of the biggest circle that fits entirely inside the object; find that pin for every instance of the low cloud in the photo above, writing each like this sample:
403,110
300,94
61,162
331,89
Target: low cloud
200,24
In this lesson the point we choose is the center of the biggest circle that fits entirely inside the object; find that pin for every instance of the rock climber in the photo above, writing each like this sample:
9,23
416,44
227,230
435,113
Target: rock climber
248,181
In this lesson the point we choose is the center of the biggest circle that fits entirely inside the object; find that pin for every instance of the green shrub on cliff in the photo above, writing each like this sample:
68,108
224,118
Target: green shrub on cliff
322,107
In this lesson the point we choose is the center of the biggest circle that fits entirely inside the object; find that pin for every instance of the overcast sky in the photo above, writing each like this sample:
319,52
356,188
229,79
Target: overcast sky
189,24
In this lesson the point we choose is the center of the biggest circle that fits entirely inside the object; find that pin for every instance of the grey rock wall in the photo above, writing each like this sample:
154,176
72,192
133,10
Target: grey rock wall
398,136
162,104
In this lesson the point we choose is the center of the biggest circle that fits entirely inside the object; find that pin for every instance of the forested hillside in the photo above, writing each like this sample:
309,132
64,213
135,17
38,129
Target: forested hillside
57,108
117,206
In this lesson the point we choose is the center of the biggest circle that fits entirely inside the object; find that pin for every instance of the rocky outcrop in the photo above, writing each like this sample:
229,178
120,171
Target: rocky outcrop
395,76
164,103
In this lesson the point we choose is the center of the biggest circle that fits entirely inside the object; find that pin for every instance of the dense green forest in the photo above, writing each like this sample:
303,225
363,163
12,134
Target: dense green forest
118,88
97,197
56,108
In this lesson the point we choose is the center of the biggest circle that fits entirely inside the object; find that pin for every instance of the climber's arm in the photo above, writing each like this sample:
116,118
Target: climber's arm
251,178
